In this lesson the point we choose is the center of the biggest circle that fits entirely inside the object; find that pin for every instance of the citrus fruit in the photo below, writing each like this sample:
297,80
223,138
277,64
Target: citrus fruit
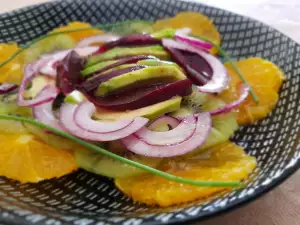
25,158
224,162
12,72
78,35
265,78
199,23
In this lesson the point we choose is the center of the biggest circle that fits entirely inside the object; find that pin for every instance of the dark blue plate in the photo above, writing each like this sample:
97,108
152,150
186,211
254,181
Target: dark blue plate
83,198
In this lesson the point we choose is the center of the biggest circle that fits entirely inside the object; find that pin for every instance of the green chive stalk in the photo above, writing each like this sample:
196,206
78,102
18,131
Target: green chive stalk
122,159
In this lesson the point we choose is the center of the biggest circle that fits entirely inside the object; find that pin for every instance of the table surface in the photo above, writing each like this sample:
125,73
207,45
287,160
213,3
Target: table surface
282,205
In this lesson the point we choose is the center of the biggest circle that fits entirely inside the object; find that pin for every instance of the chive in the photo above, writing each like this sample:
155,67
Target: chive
237,70
122,159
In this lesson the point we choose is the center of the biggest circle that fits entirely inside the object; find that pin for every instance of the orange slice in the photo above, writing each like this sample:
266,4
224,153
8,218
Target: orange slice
265,78
77,36
199,23
13,71
227,162
25,158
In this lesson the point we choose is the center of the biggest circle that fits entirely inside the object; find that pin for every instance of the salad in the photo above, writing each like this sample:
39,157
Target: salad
149,104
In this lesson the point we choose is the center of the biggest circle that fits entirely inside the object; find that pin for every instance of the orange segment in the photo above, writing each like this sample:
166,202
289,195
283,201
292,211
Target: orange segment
227,162
265,78
27,159
13,71
199,23
77,36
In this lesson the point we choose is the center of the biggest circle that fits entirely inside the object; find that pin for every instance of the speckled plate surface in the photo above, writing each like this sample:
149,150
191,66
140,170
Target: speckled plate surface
83,198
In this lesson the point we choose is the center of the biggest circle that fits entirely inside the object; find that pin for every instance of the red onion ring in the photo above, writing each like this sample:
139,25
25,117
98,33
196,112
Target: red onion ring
220,78
52,59
169,120
244,91
6,88
203,127
30,71
85,111
184,31
97,39
67,112
177,135
202,45
43,112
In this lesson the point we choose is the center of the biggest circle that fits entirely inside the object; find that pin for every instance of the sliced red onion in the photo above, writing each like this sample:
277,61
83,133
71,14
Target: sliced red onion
50,67
6,88
219,79
44,112
184,31
67,112
132,40
244,91
86,51
168,120
203,127
85,111
52,59
103,38
179,36
30,71
177,135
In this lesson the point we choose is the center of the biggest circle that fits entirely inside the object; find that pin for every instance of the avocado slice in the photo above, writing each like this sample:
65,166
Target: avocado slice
155,62
75,97
96,67
166,33
37,84
131,78
151,112
154,50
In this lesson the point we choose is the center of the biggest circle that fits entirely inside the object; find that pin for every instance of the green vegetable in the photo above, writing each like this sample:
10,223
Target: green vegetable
99,164
155,62
166,33
135,27
122,159
75,97
96,67
142,75
115,26
59,42
117,52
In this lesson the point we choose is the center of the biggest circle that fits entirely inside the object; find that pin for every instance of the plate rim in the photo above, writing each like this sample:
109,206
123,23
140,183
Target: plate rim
230,207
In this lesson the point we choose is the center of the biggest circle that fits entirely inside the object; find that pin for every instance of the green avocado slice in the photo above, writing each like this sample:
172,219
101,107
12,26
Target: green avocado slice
131,78
150,112
154,50
75,97
96,67
155,62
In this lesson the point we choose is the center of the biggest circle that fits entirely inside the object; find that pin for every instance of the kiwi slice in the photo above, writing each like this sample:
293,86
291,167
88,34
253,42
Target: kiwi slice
103,165
224,125
48,45
8,106
135,27
52,139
